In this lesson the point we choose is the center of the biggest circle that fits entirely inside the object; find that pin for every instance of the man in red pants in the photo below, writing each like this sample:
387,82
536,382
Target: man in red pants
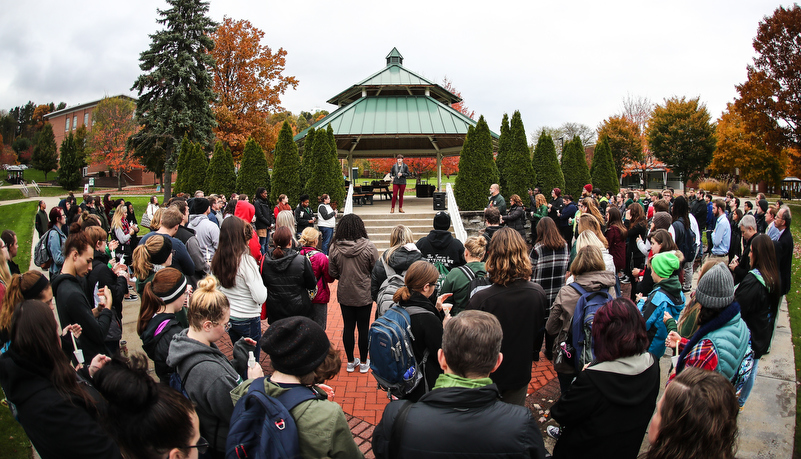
399,173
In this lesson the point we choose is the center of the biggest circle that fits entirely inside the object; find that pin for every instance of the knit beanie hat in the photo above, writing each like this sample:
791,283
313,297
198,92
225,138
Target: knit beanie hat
442,221
763,204
665,264
588,187
200,206
716,289
296,345
662,220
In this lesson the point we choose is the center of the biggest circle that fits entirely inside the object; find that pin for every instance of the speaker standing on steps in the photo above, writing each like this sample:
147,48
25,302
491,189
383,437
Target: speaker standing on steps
439,200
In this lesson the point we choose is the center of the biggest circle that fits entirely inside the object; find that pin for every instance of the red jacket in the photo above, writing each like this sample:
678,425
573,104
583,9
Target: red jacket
319,262
279,208
246,211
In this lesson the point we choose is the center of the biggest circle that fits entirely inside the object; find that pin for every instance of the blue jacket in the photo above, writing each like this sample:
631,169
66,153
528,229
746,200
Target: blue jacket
710,217
661,303
55,242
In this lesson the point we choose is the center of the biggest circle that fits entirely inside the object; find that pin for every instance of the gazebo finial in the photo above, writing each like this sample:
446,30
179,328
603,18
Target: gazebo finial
394,57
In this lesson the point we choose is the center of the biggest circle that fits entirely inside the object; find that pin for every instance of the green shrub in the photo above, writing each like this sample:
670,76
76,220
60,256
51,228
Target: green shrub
477,170
252,170
286,170
742,191
221,177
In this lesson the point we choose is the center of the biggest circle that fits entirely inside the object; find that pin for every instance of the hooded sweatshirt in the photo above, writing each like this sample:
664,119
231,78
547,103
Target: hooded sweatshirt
352,262
666,296
607,409
289,280
207,234
156,341
400,261
441,246
209,383
74,308
246,211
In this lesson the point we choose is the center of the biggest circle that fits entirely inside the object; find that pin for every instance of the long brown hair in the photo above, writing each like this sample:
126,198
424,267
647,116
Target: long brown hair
141,264
232,245
616,220
417,276
589,203
588,259
664,239
14,294
508,259
548,235
636,213
151,301
589,223
763,258
34,337
282,239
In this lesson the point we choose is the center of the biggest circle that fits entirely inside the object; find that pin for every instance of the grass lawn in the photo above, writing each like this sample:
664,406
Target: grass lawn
794,307
14,444
19,218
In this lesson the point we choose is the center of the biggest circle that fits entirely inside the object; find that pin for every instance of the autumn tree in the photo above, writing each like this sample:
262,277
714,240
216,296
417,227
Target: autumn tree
45,153
520,174
546,165
69,169
450,165
175,90
182,165
248,79
743,149
680,134
253,172
113,125
458,106
221,176
623,137
477,170
286,171
604,176
504,145
574,167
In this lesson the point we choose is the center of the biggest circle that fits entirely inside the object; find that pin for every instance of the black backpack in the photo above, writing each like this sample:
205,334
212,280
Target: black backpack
685,239
476,283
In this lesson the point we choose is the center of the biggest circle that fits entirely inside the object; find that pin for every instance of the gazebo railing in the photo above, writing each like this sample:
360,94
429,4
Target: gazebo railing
456,220
349,201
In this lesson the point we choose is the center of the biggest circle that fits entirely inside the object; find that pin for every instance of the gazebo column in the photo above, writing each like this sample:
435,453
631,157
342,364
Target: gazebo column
439,162
353,144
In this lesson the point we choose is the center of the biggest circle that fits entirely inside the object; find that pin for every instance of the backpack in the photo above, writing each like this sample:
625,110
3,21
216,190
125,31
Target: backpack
443,273
262,426
685,239
475,283
649,307
387,290
392,358
309,254
177,383
41,253
581,326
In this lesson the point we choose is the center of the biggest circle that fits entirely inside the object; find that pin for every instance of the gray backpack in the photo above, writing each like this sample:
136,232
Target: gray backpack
391,284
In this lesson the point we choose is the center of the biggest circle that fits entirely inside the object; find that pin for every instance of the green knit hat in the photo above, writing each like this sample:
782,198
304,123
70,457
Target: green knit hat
664,264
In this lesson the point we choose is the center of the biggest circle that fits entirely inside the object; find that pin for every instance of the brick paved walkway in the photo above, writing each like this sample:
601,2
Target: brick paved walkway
358,394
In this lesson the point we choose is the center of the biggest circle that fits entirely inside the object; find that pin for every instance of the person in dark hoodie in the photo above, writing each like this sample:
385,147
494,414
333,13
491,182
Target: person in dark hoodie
72,303
264,217
165,295
289,277
402,252
351,260
57,407
109,276
440,245
492,220
206,373
605,412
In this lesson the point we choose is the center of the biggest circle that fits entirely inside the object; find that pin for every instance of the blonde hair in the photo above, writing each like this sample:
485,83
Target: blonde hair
419,274
508,258
515,199
155,222
588,259
5,273
589,223
540,200
400,236
309,237
587,238
207,303
477,246
119,214
141,264
286,219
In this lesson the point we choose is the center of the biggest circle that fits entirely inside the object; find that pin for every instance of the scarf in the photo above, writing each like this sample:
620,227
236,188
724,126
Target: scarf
451,380
722,319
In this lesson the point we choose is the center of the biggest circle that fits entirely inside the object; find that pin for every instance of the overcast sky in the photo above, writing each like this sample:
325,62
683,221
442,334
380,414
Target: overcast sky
554,61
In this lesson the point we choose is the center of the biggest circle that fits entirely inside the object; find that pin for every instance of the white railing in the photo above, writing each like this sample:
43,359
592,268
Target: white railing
36,186
25,189
456,220
349,201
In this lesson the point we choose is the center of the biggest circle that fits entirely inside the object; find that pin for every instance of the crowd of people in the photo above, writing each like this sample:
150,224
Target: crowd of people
483,311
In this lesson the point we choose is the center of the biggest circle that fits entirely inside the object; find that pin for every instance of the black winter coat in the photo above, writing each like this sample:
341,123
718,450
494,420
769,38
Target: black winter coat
400,261
288,280
516,219
440,245
156,342
264,213
101,276
59,426
457,422
755,309
74,308
427,331
745,262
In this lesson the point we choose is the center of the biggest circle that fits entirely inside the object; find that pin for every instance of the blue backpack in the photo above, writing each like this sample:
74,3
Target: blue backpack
392,358
262,426
581,326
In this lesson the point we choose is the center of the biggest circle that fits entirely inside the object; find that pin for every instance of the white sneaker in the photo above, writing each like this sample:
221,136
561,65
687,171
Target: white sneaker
352,365
365,367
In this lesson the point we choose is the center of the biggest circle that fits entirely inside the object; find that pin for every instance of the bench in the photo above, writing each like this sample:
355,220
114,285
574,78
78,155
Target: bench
360,199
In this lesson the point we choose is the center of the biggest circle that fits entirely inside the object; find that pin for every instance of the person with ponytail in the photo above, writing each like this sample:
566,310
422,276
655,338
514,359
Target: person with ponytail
152,255
104,274
72,302
289,277
207,375
426,321
163,297
147,420
57,407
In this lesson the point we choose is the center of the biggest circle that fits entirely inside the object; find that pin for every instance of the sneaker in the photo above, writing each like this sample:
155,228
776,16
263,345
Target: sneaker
625,280
352,366
132,297
365,367
554,431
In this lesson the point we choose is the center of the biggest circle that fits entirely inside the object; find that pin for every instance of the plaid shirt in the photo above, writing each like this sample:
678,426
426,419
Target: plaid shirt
549,268
703,355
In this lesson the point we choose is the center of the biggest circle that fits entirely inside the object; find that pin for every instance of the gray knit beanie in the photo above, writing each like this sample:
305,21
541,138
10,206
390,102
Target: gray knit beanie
716,289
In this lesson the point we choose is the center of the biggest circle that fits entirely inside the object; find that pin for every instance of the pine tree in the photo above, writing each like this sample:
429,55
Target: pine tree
504,148
520,174
286,170
603,172
546,165
221,177
69,170
574,167
45,154
307,161
182,168
335,185
477,169
197,165
175,88
253,171
318,156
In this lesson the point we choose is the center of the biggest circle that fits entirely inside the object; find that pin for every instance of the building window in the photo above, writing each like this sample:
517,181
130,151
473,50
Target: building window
86,119
74,122
67,124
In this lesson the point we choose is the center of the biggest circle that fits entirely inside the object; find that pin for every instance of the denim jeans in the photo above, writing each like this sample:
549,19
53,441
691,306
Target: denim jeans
327,234
263,242
749,384
249,328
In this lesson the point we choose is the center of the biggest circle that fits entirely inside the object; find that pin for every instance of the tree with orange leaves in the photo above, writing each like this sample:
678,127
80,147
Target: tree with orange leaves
249,82
458,106
113,124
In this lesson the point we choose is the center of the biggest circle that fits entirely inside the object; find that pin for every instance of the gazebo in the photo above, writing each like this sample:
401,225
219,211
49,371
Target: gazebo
395,111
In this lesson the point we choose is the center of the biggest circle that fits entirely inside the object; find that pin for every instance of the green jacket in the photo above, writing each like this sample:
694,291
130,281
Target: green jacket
322,428
457,283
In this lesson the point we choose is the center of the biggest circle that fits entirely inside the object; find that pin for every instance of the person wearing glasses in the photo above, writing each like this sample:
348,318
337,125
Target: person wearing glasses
206,373
147,419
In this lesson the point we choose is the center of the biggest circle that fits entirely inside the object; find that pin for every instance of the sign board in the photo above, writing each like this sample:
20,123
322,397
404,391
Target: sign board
86,189
92,182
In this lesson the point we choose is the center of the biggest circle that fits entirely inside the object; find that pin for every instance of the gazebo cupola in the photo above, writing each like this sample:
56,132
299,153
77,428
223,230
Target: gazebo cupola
395,111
